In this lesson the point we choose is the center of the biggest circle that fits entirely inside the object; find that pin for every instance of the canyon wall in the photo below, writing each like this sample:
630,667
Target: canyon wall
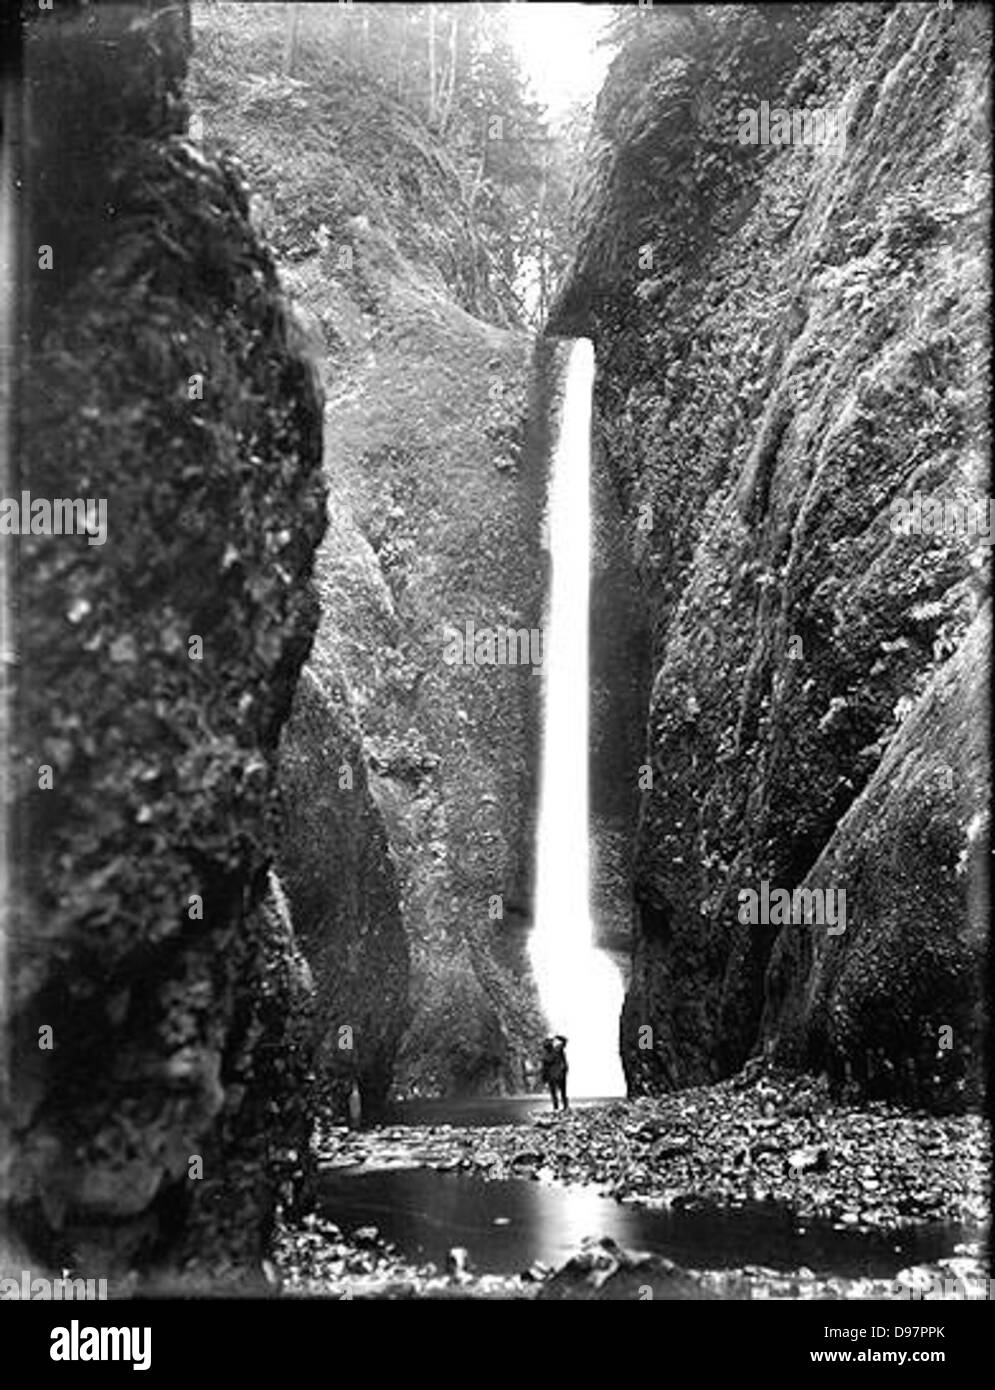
342,890
789,338
158,1006
435,438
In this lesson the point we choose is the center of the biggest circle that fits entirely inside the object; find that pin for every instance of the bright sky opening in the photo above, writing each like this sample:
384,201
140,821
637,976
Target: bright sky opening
557,47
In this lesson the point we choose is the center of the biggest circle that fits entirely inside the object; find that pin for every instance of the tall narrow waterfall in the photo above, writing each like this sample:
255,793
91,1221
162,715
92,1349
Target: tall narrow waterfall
579,987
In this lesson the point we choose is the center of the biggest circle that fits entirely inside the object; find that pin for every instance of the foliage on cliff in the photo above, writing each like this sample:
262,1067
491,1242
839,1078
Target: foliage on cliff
789,339
155,671
433,519
342,890
329,136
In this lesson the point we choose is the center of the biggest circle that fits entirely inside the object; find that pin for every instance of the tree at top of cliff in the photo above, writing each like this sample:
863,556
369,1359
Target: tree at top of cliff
443,77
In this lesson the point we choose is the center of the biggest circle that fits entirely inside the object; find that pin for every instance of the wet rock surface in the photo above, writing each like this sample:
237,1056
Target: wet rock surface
602,1270
812,718
778,1139
343,895
435,459
154,671
315,1259
318,1261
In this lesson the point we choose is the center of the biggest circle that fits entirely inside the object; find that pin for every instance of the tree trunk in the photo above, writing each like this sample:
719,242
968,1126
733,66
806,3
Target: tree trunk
431,64
400,43
478,179
543,266
451,84
293,32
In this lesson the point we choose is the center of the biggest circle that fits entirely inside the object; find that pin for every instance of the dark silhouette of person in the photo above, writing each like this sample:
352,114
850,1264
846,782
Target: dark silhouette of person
354,1106
554,1069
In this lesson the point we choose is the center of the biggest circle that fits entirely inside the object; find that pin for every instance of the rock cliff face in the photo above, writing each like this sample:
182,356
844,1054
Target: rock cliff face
343,895
912,850
435,461
619,689
158,1003
426,535
789,340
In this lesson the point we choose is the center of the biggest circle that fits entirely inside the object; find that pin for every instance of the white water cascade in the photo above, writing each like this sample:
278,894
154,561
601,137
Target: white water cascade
579,987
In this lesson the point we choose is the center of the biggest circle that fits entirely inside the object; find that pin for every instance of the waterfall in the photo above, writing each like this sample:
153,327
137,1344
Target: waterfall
579,987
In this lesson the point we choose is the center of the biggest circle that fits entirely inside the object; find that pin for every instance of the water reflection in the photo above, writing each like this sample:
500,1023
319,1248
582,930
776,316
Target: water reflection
482,1111
507,1226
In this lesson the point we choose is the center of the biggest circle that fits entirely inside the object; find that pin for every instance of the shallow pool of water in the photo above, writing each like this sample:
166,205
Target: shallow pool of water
508,1225
480,1112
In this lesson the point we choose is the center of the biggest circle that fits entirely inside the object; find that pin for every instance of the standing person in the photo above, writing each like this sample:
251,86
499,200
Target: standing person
554,1069
355,1106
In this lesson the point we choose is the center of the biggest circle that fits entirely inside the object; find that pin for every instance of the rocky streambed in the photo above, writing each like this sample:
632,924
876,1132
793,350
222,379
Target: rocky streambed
776,1144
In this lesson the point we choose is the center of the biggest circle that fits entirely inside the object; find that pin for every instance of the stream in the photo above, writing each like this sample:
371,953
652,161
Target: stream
508,1225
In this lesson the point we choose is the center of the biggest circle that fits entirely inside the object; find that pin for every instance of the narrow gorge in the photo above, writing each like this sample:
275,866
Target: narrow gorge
502,584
